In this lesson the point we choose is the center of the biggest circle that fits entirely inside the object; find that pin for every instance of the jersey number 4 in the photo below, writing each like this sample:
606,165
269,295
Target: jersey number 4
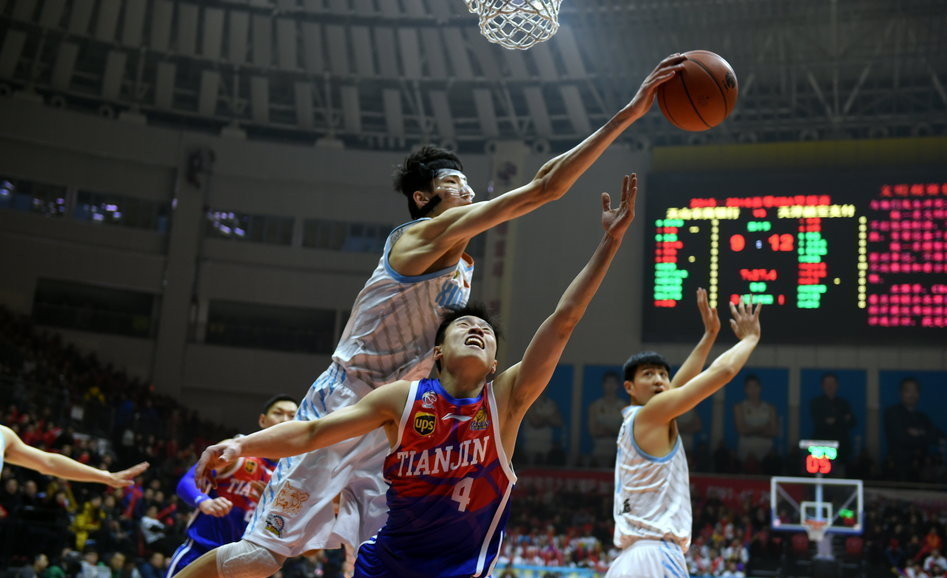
461,494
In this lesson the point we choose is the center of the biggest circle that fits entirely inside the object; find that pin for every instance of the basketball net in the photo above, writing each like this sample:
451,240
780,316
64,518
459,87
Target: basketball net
516,24
815,528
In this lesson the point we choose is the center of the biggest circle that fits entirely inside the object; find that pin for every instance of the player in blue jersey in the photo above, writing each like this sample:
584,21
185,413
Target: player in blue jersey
222,514
423,272
15,451
450,439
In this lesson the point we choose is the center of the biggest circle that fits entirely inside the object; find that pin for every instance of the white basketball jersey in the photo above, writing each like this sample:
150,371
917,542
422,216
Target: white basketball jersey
390,333
652,495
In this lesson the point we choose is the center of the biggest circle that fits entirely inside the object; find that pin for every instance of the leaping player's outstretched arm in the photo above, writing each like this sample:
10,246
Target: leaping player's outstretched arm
425,242
519,386
663,408
382,407
20,454
695,361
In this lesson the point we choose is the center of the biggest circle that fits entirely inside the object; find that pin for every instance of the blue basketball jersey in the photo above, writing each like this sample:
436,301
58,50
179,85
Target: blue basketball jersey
242,484
449,497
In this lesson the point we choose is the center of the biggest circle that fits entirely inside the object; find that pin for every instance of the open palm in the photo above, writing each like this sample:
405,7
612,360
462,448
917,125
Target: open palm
615,221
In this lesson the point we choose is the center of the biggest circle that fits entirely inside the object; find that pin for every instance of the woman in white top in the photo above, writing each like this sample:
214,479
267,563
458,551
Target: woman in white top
756,422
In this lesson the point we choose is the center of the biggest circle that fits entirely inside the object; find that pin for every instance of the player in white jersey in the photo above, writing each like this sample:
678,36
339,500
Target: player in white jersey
389,337
18,453
652,486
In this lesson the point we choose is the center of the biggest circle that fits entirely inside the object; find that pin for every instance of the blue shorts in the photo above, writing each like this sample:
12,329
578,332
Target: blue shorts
184,555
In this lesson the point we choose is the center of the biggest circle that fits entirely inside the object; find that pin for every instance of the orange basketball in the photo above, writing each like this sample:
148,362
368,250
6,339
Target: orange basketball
702,95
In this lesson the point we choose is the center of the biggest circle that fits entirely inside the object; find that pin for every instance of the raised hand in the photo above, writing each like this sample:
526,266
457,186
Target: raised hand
664,72
127,477
707,313
615,221
216,457
746,319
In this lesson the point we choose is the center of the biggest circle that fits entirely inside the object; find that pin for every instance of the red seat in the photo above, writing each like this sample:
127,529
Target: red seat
800,545
854,546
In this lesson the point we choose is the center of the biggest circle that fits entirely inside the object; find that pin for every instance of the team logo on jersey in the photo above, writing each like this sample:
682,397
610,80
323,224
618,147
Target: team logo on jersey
424,423
249,466
274,525
290,500
480,421
428,399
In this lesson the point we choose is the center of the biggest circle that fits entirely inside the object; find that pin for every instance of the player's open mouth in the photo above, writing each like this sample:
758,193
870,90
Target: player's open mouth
474,340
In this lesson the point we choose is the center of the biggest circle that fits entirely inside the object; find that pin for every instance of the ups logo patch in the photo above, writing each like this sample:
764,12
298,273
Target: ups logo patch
249,466
424,423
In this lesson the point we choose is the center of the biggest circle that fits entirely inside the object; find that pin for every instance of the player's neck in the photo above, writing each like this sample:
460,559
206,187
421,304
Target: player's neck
462,386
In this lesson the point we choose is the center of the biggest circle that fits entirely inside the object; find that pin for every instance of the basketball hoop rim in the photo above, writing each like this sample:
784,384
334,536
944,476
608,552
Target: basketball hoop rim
815,528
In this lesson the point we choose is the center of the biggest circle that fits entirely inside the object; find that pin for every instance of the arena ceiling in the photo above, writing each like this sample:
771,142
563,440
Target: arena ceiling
386,74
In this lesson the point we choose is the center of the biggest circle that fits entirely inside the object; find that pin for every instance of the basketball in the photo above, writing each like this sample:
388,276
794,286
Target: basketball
702,95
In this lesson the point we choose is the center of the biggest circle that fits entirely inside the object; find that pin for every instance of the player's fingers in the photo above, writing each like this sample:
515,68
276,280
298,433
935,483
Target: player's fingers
606,202
200,471
227,456
137,469
675,58
733,325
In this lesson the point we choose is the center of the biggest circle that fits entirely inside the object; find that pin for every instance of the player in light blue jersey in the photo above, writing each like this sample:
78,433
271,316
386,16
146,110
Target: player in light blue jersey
449,439
652,507
423,272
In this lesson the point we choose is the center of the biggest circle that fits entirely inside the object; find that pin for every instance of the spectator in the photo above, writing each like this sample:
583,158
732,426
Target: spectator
833,417
36,569
756,422
604,420
116,565
732,570
933,561
910,431
536,432
152,529
89,520
92,567
154,567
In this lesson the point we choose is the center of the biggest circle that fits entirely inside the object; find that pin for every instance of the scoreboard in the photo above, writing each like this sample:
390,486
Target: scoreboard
833,260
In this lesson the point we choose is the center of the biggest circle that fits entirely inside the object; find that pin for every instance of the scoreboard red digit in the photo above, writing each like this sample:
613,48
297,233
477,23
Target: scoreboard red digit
856,260
820,455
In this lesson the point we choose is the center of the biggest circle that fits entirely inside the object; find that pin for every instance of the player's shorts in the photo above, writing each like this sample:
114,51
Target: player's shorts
650,559
295,513
184,555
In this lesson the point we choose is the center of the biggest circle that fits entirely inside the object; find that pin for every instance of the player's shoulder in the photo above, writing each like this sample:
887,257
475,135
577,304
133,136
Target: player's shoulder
7,436
392,395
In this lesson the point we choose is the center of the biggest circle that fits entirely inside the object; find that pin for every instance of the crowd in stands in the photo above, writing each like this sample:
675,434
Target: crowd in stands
906,537
60,399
